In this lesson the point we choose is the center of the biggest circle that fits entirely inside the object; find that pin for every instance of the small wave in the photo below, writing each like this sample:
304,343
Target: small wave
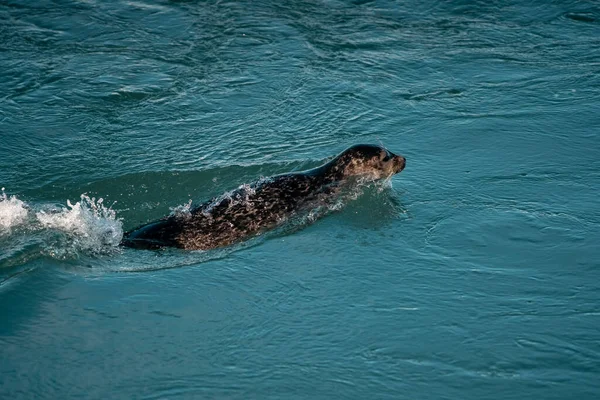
344,196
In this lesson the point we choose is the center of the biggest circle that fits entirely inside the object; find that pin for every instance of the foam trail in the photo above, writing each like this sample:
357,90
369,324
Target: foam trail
27,231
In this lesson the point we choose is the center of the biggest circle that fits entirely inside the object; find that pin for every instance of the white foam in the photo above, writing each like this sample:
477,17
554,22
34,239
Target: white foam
91,226
13,212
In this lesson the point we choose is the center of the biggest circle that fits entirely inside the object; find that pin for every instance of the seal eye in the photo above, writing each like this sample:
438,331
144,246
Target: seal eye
386,156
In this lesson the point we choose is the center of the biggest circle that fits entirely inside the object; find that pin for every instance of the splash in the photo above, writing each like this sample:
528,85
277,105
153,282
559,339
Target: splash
241,195
184,210
27,231
87,226
13,212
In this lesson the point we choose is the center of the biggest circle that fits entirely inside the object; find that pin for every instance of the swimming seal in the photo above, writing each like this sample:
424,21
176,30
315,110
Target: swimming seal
265,204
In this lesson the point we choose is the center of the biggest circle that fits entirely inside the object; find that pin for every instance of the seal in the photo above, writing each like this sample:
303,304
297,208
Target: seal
266,203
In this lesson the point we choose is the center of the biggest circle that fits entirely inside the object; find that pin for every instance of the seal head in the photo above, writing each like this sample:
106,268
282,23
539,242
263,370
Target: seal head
363,161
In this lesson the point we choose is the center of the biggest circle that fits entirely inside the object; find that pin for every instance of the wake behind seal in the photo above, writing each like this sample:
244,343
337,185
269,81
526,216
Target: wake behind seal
265,204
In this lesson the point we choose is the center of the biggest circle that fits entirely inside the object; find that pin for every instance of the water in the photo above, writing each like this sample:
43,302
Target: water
474,274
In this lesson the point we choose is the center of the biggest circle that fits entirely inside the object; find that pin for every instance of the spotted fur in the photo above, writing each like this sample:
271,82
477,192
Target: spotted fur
265,204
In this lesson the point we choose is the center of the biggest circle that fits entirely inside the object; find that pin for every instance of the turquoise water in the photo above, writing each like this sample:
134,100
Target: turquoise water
475,273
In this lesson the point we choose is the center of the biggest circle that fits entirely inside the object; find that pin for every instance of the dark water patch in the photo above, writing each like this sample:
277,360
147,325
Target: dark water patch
431,96
581,17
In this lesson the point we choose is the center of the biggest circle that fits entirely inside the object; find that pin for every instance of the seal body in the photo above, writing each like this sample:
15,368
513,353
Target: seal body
265,204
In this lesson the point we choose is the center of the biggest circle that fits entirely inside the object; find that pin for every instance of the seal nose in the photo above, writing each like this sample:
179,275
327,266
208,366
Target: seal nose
400,163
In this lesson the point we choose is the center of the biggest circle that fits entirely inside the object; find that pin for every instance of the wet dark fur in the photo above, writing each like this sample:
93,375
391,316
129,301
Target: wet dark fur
265,204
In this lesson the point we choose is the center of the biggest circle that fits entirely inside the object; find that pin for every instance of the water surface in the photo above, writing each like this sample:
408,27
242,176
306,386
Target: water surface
473,274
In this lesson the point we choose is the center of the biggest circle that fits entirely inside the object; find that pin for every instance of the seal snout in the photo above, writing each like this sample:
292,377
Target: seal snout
399,163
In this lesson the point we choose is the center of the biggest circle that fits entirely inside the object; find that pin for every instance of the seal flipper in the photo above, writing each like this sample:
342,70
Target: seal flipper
154,235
